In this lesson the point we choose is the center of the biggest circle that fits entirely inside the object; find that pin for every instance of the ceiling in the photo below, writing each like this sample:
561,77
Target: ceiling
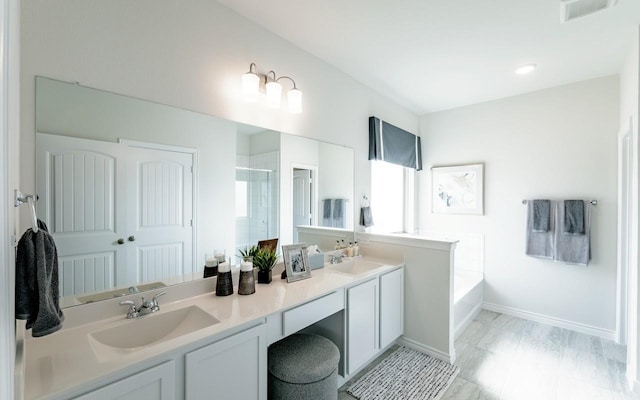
432,55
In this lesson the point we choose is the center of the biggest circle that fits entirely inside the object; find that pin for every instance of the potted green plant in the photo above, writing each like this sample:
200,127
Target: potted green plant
265,260
248,252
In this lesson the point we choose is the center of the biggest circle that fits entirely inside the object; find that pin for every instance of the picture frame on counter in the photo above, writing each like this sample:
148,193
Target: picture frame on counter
296,262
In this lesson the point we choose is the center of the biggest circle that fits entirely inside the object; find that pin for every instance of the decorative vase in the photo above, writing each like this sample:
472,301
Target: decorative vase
247,283
264,276
224,283
210,265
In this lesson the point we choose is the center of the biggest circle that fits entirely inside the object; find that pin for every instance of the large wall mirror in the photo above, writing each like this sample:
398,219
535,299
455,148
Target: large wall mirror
135,193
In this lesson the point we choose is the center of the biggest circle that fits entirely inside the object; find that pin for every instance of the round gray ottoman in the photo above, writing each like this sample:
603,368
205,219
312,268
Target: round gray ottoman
303,366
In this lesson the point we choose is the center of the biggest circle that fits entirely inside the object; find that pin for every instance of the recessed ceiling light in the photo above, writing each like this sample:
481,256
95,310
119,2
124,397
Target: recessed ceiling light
525,69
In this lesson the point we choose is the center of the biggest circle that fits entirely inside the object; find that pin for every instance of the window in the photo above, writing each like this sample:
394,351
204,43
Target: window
392,197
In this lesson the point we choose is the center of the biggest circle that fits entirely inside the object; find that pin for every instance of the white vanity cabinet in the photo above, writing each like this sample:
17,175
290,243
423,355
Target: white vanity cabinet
362,324
233,368
391,306
360,312
151,384
375,317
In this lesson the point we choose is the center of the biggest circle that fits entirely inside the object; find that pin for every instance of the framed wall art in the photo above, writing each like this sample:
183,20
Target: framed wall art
457,189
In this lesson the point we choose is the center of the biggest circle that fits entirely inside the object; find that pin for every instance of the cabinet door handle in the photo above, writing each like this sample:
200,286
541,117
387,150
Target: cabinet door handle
121,241
132,238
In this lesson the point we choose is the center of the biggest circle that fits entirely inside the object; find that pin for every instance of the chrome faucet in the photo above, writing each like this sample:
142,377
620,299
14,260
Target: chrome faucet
336,258
136,312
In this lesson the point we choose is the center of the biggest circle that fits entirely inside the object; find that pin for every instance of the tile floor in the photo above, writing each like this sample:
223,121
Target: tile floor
508,358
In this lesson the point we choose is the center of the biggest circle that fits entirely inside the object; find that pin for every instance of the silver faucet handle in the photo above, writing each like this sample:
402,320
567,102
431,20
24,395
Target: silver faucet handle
132,312
154,306
155,297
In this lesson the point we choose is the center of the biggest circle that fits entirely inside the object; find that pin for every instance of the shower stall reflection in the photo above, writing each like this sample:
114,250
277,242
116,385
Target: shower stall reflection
257,191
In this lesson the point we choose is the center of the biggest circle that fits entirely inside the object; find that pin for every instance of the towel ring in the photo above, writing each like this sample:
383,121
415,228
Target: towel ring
34,218
365,201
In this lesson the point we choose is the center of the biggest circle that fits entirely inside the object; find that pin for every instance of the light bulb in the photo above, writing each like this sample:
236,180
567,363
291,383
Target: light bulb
250,86
274,94
294,101
525,69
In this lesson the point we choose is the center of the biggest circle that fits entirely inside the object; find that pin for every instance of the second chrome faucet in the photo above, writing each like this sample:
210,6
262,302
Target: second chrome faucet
146,307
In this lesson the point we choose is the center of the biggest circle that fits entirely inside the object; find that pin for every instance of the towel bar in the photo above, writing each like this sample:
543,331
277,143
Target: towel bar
594,202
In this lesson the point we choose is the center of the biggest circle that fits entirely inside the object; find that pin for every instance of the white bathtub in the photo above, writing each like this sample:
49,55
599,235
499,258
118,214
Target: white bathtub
468,290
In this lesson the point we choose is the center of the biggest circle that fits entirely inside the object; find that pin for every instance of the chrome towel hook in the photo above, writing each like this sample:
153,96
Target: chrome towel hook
20,199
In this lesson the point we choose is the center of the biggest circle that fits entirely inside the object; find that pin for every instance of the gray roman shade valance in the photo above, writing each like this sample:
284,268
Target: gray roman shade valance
394,145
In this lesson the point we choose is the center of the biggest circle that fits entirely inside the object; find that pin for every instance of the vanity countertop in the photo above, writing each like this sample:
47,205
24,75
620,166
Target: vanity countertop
57,364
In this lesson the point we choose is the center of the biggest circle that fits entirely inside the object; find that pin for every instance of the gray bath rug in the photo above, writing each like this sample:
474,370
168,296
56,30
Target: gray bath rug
405,375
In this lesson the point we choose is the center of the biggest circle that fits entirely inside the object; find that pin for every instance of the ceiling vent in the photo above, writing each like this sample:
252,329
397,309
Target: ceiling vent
572,9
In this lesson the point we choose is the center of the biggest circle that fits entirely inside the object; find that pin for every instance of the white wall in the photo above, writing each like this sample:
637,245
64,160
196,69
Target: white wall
629,105
294,151
555,143
335,177
191,54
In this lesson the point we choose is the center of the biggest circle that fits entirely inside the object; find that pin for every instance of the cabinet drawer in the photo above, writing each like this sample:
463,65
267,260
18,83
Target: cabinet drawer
302,316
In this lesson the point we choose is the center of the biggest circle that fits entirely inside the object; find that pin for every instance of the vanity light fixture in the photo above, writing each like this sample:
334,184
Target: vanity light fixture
525,69
274,90
252,82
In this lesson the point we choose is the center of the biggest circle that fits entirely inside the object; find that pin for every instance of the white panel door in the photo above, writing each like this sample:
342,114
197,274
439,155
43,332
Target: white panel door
160,210
362,324
120,215
233,368
80,187
301,199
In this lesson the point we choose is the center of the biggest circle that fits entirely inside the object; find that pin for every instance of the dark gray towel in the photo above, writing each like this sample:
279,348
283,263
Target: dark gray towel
37,290
539,244
574,217
326,208
366,219
541,215
338,213
570,248
327,205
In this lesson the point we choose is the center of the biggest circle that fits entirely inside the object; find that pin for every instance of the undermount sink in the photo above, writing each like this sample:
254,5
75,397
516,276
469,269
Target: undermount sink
354,267
154,328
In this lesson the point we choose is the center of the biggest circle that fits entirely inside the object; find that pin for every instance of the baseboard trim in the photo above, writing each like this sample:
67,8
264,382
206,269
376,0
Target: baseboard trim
412,344
467,321
544,319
